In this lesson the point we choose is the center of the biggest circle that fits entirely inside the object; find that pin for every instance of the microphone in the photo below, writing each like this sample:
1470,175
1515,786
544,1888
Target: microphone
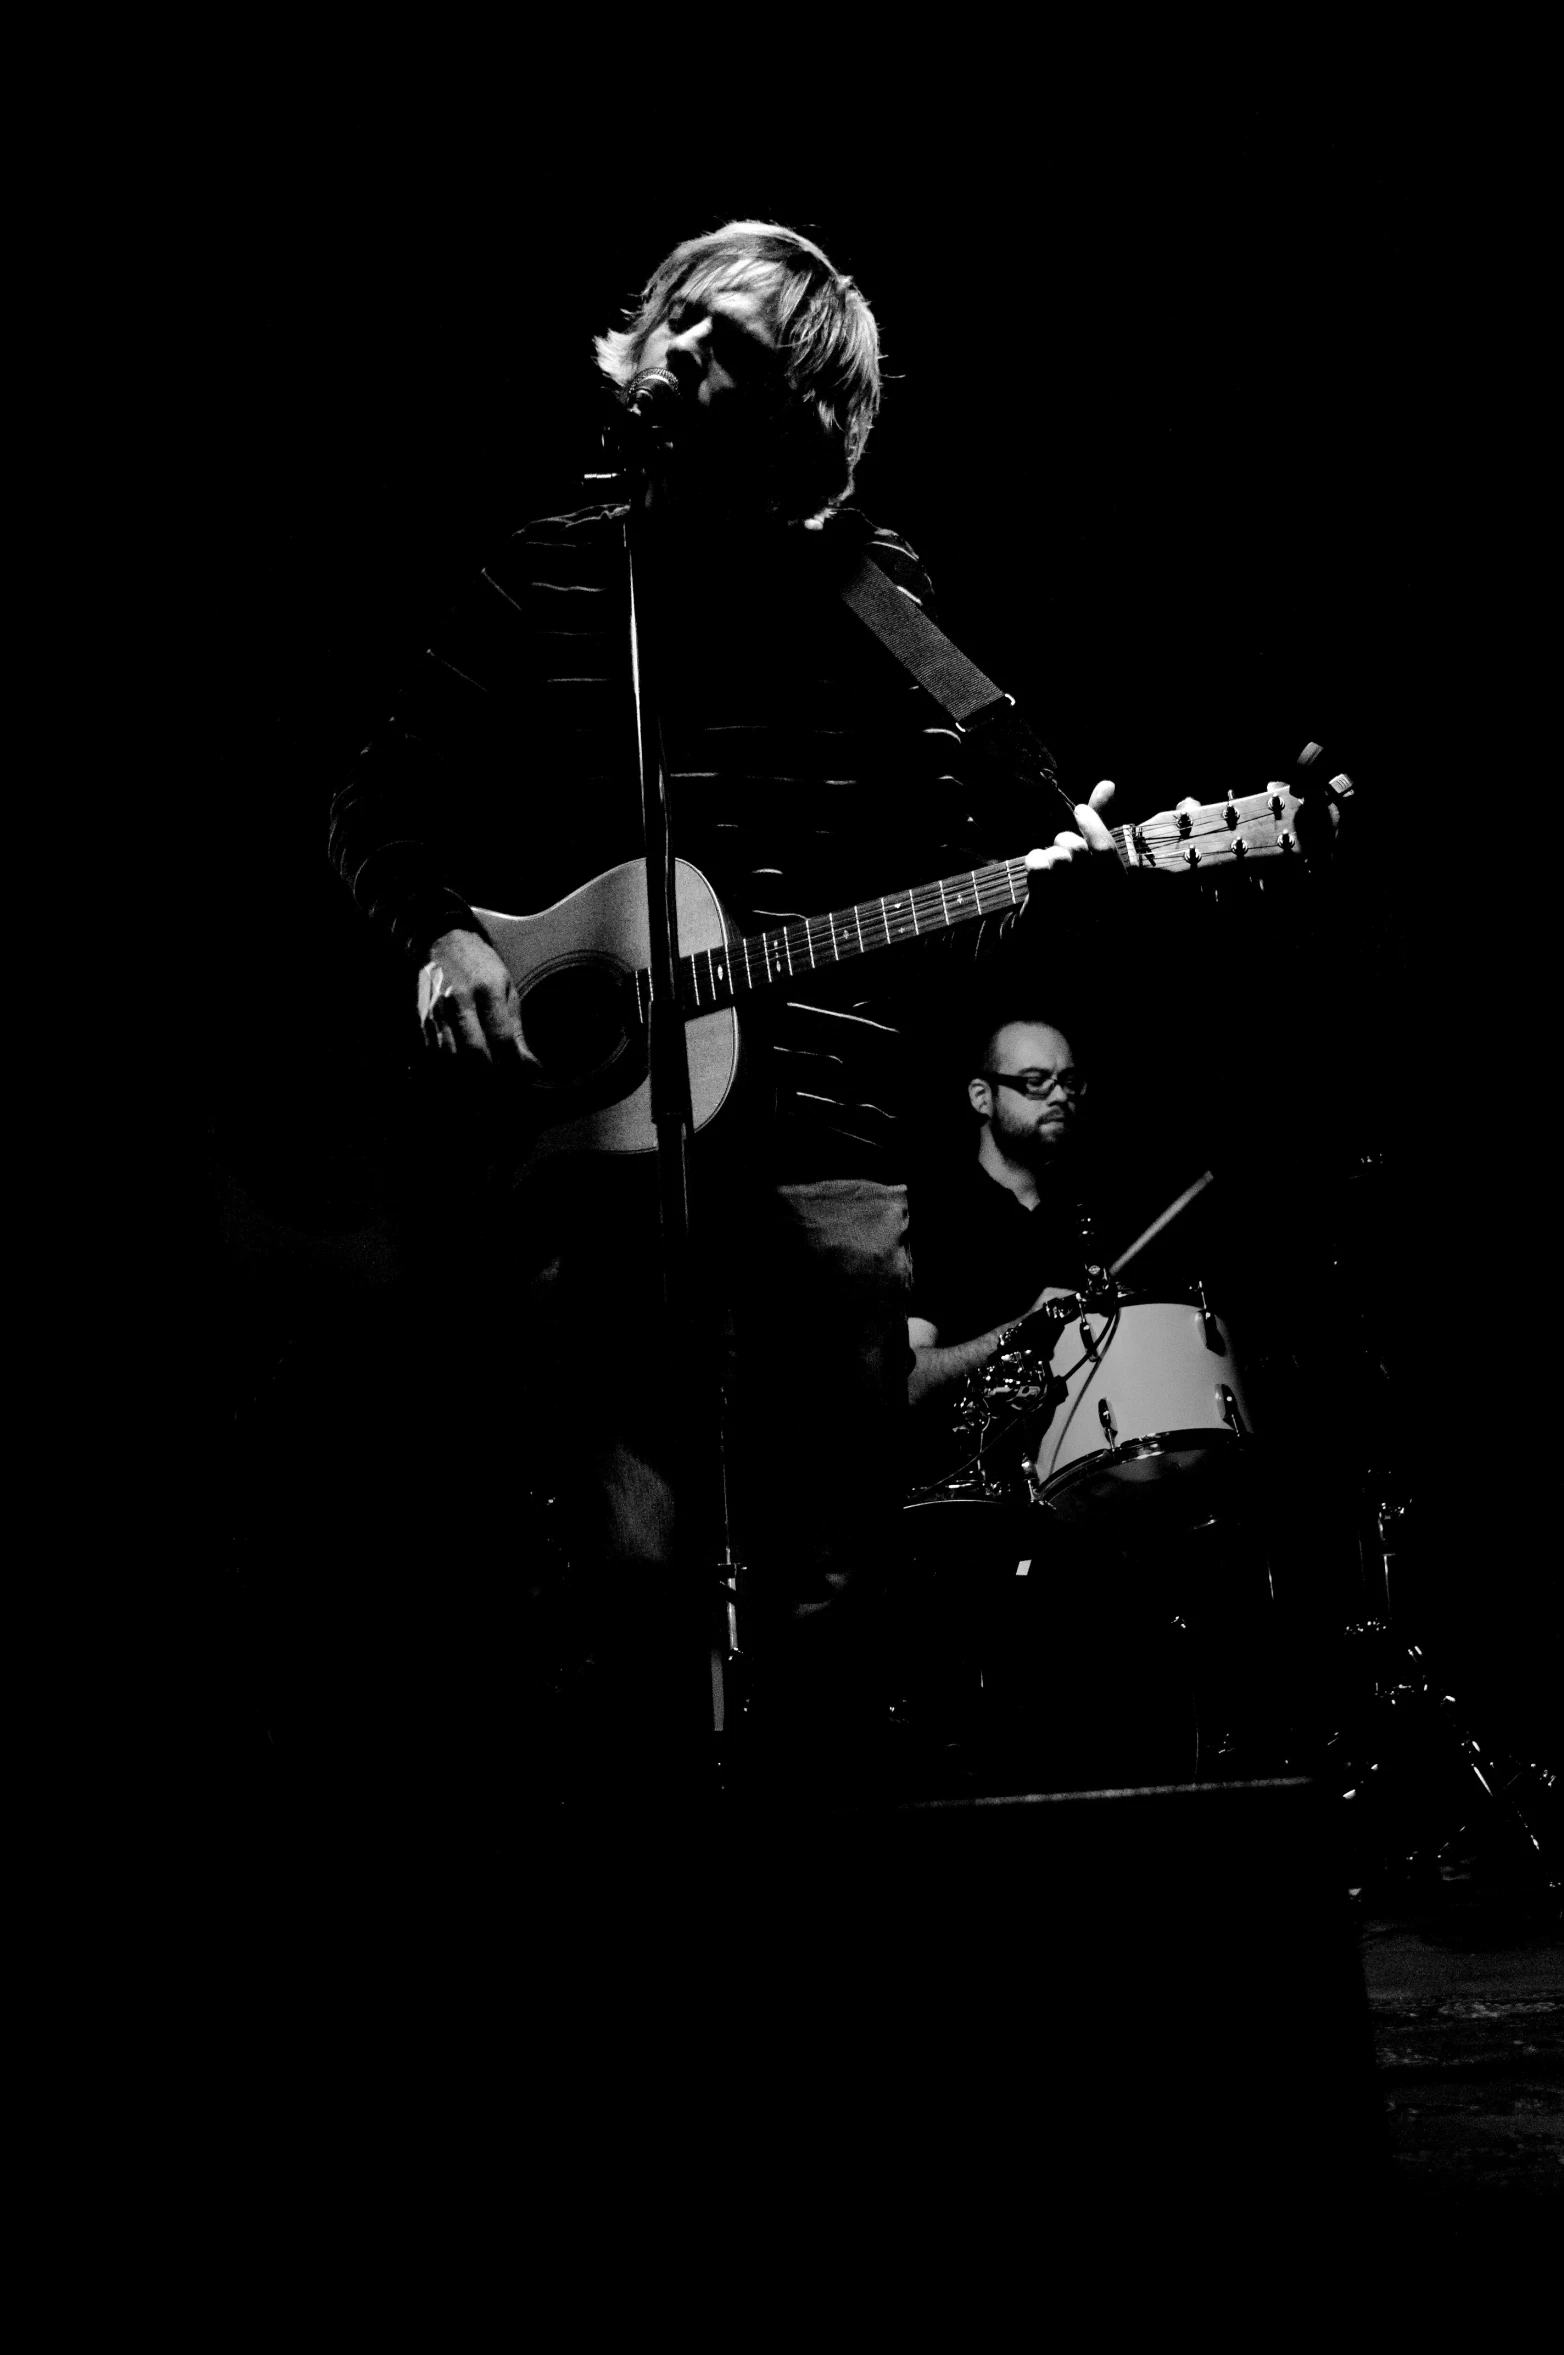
652,399
653,389
636,424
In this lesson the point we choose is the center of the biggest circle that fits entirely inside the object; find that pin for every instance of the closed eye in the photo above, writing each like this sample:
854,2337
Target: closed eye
739,351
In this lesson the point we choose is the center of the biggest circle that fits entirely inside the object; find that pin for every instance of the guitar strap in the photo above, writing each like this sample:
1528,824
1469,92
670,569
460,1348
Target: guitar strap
985,714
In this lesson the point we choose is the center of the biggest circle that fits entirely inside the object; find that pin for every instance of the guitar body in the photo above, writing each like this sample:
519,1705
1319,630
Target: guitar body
574,966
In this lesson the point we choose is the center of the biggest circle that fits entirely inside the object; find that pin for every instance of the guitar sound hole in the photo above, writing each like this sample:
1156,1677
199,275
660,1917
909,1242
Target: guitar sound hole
575,1021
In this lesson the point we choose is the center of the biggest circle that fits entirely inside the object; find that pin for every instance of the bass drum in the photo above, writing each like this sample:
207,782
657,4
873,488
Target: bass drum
1154,1429
1016,1665
959,1558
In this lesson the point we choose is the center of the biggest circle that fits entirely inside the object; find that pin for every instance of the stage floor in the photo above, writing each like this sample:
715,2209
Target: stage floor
1466,1994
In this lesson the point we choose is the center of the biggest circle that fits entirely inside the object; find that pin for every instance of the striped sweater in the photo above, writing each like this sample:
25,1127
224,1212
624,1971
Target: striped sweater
807,771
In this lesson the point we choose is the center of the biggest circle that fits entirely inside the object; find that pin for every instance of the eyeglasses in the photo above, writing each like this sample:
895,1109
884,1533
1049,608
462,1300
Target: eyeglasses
1038,1086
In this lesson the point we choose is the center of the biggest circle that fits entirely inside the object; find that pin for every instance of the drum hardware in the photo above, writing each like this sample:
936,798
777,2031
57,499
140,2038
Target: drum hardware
1422,1789
1230,1411
1213,1337
727,1658
1424,1794
1388,1517
1105,1418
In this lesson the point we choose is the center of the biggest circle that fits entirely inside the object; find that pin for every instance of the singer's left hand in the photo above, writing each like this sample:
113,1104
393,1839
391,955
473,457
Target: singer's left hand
1093,836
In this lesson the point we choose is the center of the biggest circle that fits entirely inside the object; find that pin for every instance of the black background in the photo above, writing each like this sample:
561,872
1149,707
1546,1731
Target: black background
1160,418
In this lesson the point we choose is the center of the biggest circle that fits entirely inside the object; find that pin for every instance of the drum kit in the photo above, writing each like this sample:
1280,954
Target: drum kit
1108,1448
1130,1417
1108,1467
1127,1444
1127,1402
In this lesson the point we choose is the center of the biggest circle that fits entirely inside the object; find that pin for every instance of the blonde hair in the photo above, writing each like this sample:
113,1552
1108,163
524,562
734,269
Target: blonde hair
826,333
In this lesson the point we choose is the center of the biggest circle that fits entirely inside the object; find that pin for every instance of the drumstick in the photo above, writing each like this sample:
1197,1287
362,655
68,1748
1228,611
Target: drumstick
1166,1220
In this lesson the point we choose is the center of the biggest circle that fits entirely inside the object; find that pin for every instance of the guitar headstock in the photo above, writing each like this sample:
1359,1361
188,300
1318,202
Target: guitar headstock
1196,835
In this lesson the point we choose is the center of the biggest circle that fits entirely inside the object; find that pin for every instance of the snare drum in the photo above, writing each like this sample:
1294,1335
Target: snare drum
1154,1423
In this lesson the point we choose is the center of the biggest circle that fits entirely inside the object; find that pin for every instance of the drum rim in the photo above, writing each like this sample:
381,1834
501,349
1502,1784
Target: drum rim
918,1504
1186,1299
1029,1352
1129,1451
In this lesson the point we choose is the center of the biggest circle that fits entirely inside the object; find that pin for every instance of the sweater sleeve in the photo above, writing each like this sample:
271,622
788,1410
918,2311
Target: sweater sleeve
460,730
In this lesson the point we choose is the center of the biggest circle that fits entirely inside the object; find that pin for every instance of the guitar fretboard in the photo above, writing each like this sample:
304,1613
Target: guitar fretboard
718,977
1255,829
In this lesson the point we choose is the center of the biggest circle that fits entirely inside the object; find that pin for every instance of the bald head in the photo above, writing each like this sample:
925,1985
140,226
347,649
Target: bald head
1027,1096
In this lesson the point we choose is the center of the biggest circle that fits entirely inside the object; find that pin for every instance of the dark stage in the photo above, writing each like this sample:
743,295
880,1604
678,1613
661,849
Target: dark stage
1162,433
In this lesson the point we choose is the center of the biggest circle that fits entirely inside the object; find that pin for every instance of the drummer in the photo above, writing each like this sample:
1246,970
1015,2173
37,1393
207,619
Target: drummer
993,1673
1003,1233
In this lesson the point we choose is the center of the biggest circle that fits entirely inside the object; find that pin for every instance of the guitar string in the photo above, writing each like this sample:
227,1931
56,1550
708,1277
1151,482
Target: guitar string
800,948
902,915
928,905
795,950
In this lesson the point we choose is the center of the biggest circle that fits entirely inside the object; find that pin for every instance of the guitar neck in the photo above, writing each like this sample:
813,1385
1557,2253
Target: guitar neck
1258,827
794,951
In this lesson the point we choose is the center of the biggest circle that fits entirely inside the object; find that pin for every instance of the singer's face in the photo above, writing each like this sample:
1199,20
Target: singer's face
719,441
720,346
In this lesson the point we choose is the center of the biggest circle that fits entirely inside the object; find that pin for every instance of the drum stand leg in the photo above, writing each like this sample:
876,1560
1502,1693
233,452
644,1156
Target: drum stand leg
1428,1799
1227,1646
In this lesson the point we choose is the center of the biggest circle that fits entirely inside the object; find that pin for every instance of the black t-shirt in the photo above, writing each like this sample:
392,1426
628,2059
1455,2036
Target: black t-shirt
980,1257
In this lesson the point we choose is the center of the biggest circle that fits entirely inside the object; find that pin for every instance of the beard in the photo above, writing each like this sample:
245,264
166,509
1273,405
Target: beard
1039,1149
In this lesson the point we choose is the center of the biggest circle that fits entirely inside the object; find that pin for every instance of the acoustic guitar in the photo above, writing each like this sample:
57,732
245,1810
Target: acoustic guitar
581,966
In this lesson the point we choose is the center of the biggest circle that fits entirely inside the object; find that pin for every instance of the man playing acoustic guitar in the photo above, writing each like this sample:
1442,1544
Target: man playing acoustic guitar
807,772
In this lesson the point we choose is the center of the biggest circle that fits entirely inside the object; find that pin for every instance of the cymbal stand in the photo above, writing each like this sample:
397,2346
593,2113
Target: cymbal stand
1423,1791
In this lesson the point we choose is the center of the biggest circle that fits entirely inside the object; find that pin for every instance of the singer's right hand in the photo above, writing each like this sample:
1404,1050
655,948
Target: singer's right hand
467,1004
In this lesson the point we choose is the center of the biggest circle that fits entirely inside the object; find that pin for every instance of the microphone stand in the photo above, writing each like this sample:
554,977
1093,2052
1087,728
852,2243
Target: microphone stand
673,1120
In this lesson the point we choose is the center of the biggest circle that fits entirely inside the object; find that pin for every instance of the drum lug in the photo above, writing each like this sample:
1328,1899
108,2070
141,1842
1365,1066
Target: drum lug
1213,1335
1230,1414
1106,1419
